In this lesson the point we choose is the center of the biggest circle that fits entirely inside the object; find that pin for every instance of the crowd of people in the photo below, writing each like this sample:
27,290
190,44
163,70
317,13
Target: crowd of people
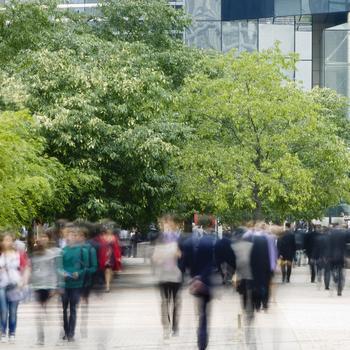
249,257
67,260
70,259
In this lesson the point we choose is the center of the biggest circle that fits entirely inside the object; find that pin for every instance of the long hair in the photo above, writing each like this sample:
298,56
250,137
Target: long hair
39,248
3,234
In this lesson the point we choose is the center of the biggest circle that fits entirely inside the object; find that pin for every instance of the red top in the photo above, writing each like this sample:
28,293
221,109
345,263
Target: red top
108,252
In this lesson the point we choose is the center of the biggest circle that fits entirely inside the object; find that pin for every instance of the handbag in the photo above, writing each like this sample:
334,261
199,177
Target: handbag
198,288
17,294
14,293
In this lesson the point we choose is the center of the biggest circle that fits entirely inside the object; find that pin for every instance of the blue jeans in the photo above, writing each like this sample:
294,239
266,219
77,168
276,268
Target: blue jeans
8,313
70,299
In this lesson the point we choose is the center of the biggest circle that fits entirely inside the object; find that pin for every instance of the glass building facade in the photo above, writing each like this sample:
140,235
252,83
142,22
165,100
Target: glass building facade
315,29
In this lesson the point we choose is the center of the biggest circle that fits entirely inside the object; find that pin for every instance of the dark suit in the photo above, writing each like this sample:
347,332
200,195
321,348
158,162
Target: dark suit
201,256
286,250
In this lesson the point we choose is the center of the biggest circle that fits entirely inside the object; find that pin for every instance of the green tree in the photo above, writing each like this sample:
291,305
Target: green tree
28,179
104,101
262,148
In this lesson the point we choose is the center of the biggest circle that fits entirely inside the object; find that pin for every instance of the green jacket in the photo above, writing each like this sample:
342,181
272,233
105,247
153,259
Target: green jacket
74,259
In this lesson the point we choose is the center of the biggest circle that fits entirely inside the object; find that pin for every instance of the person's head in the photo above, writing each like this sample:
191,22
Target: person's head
60,226
71,234
82,234
7,241
169,223
205,222
288,225
261,226
44,240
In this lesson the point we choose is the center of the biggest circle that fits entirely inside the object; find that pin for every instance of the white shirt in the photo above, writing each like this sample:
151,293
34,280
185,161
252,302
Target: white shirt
10,269
165,258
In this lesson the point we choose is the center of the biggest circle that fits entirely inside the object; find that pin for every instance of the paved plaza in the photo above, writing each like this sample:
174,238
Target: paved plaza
301,316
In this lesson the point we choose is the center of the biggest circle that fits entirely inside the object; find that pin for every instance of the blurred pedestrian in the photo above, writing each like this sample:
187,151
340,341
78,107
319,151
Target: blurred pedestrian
134,239
46,264
165,258
109,254
263,264
14,275
286,251
74,261
243,280
201,257
90,270
337,247
312,251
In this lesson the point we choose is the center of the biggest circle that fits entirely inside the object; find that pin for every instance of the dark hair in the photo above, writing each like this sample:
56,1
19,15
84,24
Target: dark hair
288,225
205,221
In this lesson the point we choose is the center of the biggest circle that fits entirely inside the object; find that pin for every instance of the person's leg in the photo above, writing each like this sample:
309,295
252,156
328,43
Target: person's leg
176,307
65,304
249,305
327,275
289,270
265,296
164,293
283,270
108,278
340,280
13,307
41,296
74,299
85,293
313,270
203,323
3,311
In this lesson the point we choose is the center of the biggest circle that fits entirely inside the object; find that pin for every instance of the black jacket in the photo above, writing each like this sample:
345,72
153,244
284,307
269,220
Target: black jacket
286,246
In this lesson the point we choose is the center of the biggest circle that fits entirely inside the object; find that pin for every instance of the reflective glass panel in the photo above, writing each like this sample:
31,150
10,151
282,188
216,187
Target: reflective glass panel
303,44
204,9
336,46
241,35
303,73
269,33
205,35
336,77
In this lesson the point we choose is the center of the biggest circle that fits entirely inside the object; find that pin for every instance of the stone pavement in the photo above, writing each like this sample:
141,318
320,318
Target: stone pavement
301,316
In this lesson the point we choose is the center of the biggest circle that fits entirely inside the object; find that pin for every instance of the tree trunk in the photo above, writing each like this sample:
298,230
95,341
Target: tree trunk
257,213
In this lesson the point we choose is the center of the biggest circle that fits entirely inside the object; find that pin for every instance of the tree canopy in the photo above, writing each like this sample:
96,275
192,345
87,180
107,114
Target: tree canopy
101,88
127,121
262,147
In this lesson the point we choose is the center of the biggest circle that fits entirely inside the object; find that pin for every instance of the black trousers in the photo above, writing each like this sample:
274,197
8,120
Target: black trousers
286,268
70,299
203,304
169,292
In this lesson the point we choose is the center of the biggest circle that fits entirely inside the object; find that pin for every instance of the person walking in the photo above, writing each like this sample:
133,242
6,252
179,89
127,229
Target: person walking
202,256
322,246
46,263
286,251
14,275
109,254
90,270
243,280
74,261
165,259
311,250
134,240
337,247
